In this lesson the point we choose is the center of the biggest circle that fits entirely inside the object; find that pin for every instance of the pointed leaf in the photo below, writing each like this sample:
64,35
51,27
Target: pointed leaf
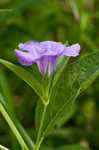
76,77
27,77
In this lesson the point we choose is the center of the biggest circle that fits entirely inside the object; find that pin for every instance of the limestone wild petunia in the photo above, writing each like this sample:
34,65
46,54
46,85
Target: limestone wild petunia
44,53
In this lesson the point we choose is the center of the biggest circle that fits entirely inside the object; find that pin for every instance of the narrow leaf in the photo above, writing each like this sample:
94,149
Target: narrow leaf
3,148
7,95
19,127
7,100
13,127
27,77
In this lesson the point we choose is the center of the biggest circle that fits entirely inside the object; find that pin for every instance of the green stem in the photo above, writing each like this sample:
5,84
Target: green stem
39,137
13,128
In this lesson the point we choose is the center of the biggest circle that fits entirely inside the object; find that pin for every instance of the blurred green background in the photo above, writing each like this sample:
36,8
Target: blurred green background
59,20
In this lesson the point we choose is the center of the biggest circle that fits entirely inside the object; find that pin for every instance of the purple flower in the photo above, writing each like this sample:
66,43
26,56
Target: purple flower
44,53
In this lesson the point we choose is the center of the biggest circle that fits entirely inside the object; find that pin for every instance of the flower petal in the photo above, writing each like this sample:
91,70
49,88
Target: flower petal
52,62
42,64
29,46
52,48
44,53
72,50
24,58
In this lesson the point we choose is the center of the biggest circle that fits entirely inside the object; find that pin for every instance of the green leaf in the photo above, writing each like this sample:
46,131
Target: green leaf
2,100
67,117
58,69
9,107
27,77
24,134
3,148
75,78
73,147
7,95
21,130
13,127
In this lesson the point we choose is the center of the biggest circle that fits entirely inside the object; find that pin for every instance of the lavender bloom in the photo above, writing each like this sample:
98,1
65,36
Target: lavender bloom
44,53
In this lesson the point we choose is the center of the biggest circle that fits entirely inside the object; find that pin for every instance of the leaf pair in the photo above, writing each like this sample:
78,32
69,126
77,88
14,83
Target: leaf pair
66,83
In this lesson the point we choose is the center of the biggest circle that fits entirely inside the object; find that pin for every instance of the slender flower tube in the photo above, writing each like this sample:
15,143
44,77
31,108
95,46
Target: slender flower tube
44,53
